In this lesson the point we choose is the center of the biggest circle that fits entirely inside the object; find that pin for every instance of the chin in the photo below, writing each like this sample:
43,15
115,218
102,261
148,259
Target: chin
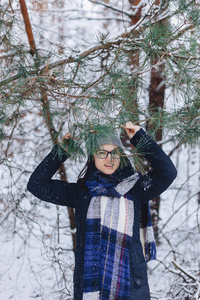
108,172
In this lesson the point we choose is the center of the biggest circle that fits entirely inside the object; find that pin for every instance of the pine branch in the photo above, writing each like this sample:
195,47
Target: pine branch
103,46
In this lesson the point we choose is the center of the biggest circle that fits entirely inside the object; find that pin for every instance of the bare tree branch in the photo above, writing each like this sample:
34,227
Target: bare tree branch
184,271
28,26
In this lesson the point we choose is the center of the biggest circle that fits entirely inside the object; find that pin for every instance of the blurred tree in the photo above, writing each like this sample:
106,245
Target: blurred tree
157,96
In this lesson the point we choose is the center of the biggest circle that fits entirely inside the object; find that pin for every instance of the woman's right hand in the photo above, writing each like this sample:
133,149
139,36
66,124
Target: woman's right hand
67,136
65,140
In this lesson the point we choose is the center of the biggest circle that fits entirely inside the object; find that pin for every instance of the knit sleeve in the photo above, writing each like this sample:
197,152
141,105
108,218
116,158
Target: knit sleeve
45,188
163,171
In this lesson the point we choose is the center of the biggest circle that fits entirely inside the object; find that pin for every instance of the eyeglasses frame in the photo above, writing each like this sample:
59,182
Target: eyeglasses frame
108,152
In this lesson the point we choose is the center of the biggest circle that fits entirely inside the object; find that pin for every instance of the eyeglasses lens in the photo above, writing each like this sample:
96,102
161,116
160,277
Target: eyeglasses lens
103,154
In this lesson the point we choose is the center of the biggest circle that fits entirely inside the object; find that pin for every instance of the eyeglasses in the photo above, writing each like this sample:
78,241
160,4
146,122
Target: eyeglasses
102,154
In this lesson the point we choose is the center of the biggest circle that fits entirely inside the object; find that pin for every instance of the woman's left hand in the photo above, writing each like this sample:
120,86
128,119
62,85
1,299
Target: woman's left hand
131,129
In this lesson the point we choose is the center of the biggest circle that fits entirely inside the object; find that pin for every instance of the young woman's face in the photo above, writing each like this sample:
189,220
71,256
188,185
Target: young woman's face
109,164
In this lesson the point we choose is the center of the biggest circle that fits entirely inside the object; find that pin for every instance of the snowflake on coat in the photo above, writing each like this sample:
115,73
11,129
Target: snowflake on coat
147,182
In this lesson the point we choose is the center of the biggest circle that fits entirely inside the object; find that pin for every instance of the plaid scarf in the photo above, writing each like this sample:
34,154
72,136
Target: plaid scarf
147,234
109,232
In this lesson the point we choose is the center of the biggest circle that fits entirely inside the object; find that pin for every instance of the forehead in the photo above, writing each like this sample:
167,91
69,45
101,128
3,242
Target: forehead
108,147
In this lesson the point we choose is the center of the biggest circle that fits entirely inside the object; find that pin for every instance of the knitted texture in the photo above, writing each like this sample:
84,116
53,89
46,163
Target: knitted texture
109,232
146,234
110,140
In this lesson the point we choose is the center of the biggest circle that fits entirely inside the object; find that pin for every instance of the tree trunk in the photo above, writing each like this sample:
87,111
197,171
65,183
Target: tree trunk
134,64
47,112
156,101
28,27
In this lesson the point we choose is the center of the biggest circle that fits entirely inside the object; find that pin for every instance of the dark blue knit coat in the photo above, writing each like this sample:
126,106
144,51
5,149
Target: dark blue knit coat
77,196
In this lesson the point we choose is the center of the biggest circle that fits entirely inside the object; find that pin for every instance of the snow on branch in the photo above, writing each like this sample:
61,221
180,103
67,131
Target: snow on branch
184,271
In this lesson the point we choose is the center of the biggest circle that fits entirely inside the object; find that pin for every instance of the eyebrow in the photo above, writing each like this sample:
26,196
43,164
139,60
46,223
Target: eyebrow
106,150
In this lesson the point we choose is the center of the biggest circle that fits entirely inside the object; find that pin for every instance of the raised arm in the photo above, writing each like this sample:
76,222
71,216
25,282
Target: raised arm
163,170
55,191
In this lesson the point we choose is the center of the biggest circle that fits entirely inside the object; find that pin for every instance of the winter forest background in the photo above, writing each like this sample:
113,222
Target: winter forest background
70,66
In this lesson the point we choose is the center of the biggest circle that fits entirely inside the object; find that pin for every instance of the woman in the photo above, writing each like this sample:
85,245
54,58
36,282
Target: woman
109,258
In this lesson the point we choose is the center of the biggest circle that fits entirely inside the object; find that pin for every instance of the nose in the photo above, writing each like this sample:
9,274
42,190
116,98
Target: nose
109,157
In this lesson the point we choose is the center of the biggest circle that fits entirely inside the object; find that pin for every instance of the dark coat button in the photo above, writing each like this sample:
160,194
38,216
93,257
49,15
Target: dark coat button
139,282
